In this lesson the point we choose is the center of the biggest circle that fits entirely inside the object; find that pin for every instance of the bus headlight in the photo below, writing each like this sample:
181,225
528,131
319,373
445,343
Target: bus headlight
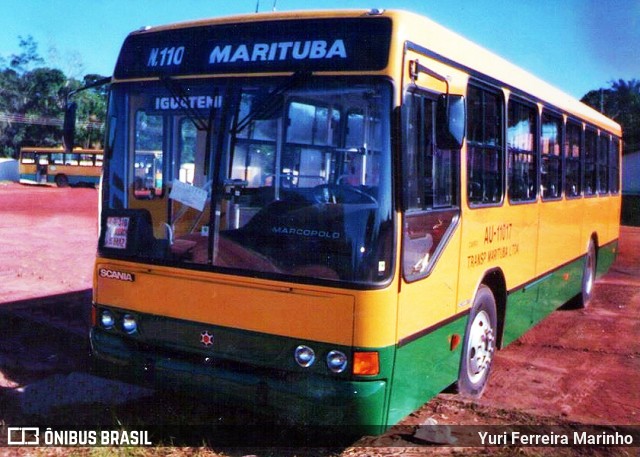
106,319
129,323
304,355
337,361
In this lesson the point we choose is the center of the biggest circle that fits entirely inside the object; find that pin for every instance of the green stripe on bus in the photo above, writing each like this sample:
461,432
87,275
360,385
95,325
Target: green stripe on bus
606,256
530,304
424,367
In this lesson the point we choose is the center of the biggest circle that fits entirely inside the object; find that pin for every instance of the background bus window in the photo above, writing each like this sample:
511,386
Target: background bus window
521,134
572,178
484,147
311,124
28,157
253,159
57,158
187,151
590,152
362,157
148,157
71,159
306,159
550,142
87,160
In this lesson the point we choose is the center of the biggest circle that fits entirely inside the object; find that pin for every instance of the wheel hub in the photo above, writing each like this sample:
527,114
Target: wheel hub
480,347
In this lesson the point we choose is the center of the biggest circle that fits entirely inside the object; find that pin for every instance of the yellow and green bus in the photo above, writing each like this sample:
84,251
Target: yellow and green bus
336,215
39,165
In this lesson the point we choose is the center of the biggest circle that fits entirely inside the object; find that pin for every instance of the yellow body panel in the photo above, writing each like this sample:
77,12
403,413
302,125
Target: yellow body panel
424,303
358,318
560,237
260,306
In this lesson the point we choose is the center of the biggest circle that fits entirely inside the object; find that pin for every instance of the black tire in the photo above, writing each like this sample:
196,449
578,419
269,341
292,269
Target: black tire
479,345
62,181
588,276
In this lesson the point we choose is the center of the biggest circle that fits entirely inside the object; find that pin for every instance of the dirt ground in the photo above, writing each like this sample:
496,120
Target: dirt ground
575,367
48,240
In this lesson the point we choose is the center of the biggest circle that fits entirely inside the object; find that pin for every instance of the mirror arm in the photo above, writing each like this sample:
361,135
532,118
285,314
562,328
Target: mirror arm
69,125
415,68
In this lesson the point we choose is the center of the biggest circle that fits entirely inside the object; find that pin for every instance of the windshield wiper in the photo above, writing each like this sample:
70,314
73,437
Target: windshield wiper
271,102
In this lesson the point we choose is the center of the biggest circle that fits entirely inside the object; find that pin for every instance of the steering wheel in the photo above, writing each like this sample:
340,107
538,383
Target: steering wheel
336,193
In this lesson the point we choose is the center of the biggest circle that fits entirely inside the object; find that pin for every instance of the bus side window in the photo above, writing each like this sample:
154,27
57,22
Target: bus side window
550,142
430,183
71,159
590,172
57,159
28,157
521,142
572,177
603,163
614,166
87,160
485,169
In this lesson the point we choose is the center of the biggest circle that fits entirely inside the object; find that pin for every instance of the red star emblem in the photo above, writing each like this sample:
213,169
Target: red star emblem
206,338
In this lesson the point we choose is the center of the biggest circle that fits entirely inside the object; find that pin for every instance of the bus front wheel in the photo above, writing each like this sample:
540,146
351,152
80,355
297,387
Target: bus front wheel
62,181
479,345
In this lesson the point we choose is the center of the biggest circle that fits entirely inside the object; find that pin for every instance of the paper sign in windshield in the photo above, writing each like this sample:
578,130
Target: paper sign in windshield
116,233
189,195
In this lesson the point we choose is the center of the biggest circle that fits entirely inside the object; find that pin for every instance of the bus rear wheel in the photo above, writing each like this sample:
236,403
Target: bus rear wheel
588,275
62,180
479,345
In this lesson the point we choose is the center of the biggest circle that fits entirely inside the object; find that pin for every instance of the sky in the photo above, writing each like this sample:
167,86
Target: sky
576,45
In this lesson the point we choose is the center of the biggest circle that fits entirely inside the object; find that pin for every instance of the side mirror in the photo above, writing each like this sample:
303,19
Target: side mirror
450,122
69,126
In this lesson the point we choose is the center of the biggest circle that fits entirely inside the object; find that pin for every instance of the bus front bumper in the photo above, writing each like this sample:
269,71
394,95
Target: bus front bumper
296,399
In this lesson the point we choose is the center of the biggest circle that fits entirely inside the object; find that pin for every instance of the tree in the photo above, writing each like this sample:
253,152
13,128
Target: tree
44,91
28,57
92,108
33,98
620,102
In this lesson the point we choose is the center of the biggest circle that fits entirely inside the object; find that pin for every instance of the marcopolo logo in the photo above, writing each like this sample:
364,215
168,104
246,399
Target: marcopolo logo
312,233
278,51
118,275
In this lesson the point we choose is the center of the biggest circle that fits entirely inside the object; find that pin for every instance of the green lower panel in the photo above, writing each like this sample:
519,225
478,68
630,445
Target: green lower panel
298,396
424,368
558,288
529,305
606,256
518,317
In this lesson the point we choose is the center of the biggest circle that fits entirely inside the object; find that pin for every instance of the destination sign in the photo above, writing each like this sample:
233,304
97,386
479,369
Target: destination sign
345,44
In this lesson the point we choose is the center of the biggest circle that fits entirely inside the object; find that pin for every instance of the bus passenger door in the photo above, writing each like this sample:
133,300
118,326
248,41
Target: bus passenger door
429,262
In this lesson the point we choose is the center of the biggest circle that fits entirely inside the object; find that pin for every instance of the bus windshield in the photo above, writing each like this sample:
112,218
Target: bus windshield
287,177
